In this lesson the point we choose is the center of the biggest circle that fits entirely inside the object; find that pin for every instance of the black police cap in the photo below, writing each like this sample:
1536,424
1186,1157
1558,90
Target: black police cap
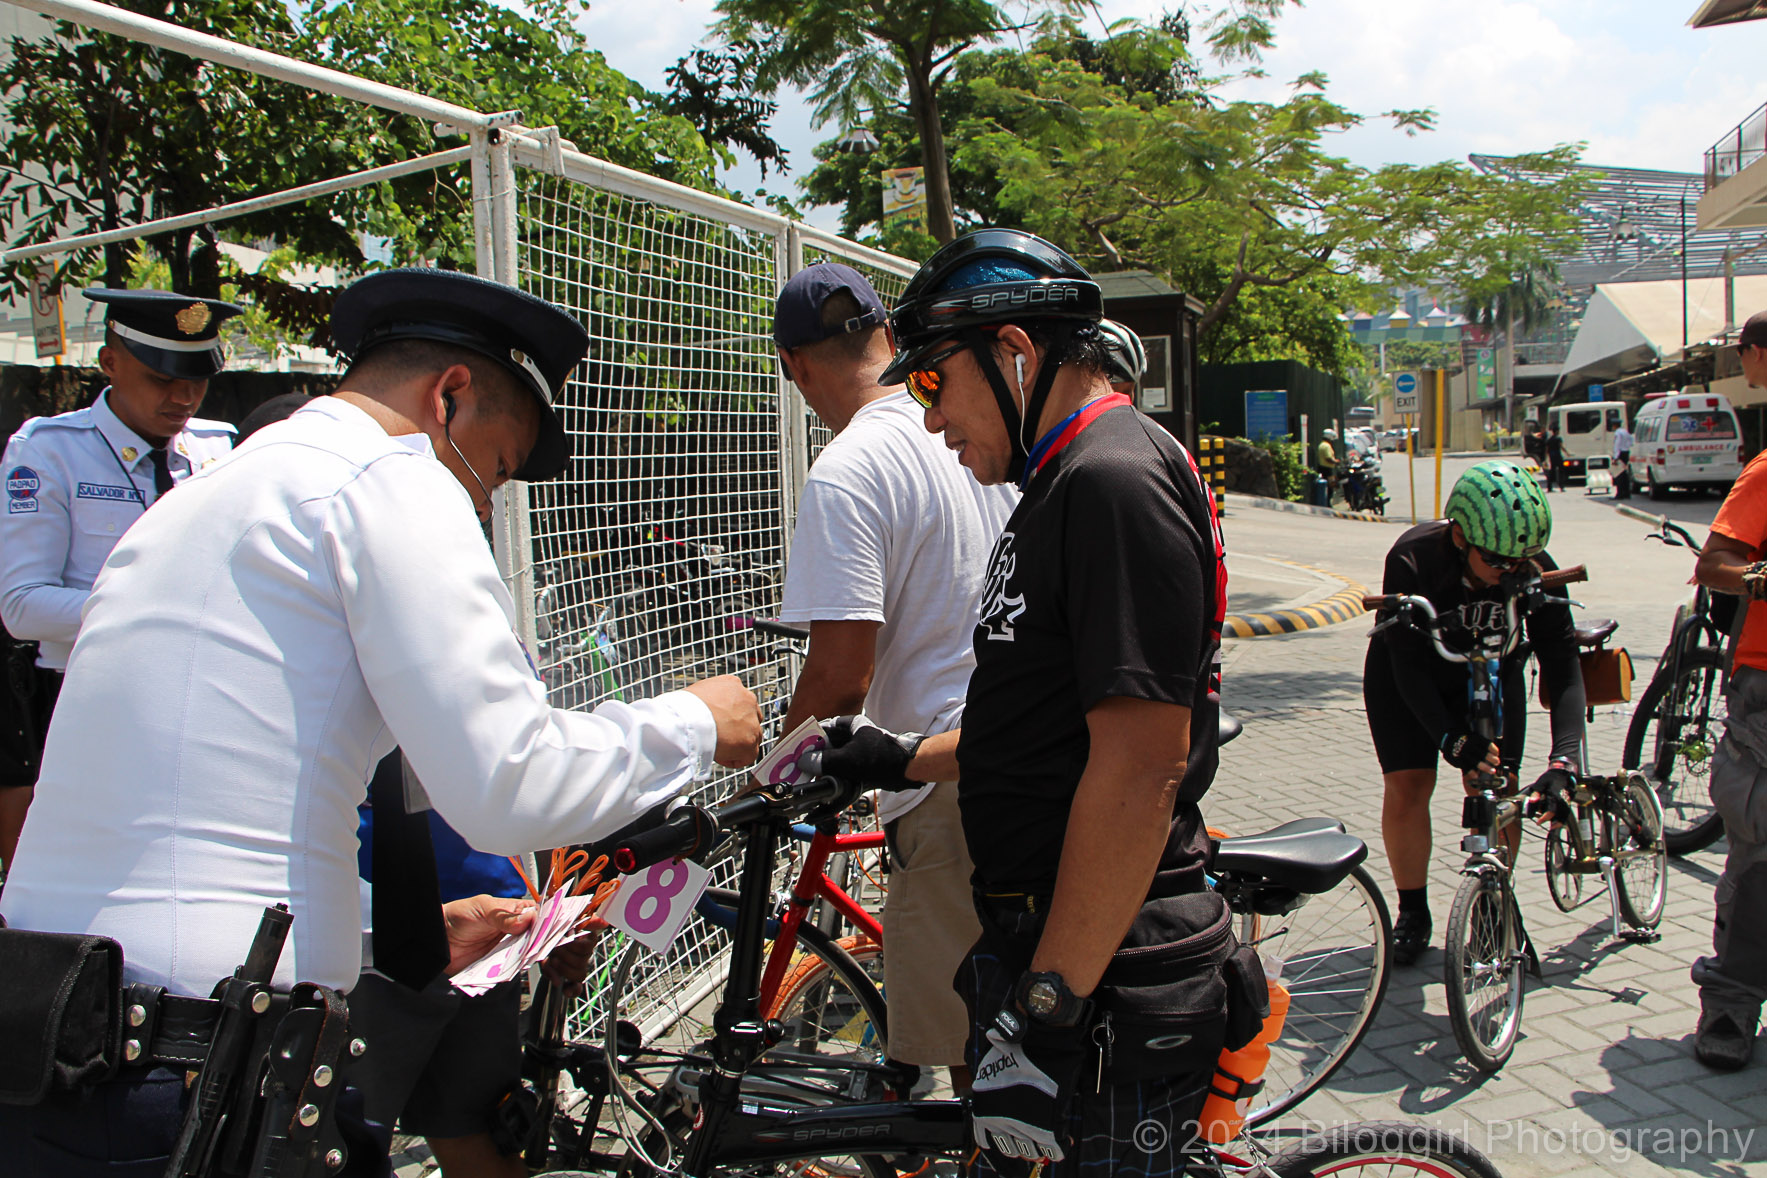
176,335
540,344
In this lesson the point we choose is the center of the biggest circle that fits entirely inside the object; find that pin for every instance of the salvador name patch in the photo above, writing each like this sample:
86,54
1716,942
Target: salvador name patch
100,491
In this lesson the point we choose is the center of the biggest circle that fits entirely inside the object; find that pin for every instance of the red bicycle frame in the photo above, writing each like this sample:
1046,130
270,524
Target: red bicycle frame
812,885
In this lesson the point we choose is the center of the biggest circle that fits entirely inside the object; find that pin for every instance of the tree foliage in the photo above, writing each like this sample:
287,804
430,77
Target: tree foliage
109,132
862,58
714,90
1240,203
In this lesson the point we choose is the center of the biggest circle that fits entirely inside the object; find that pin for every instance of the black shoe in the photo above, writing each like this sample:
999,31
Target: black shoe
1411,936
1723,1042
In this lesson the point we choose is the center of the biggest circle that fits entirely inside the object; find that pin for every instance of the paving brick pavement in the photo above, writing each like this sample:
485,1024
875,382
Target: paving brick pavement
1603,1079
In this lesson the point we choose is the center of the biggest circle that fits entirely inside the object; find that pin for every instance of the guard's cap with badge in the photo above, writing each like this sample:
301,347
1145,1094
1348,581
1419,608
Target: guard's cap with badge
797,316
176,335
536,341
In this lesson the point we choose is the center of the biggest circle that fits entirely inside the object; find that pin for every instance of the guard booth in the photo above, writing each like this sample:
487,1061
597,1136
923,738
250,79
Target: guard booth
1166,320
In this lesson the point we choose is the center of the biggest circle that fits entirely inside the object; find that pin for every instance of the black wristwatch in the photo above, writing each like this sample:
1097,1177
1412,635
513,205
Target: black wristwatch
1045,997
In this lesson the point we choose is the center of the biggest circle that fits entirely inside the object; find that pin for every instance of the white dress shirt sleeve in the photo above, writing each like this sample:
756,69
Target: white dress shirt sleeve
34,548
431,624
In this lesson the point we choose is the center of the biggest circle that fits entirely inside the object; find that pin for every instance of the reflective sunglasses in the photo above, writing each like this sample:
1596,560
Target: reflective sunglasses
923,383
1500,564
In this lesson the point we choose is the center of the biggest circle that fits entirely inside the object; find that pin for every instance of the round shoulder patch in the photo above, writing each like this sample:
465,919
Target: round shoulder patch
22,483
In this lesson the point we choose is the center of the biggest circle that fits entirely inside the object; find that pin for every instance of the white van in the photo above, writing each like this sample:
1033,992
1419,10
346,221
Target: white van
1588,431
1686,439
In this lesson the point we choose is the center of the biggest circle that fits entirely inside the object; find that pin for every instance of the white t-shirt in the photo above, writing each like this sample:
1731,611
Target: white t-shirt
892,529
253,647
1622,441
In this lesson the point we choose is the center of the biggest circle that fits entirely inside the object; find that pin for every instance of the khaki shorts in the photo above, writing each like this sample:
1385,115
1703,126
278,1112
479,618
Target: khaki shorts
929,926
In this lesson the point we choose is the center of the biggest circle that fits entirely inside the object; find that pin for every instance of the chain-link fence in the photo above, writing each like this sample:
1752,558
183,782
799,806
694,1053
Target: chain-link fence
653,557
644,568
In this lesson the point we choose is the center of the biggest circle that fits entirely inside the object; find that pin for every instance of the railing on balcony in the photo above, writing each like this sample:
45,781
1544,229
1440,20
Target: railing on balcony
1742,146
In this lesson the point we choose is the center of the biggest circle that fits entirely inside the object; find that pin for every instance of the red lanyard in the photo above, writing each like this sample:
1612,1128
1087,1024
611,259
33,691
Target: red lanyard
1071,427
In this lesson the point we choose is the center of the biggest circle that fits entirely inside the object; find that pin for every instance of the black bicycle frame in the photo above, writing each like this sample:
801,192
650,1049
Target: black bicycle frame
734,1127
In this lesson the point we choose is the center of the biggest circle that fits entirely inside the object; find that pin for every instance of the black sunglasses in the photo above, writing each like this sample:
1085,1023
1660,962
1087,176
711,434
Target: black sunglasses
1500,564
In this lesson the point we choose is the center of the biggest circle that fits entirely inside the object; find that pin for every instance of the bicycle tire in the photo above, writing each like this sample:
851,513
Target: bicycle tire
1643,883
678,1122
828,997
1386,1147
1340,960
1690,822
1566,887
1476,965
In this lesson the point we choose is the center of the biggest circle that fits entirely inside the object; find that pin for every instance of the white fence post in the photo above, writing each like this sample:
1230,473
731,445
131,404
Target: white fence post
494,209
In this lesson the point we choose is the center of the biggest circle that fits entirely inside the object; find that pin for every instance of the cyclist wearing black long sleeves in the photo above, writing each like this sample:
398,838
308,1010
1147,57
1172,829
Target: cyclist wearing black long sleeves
1498,522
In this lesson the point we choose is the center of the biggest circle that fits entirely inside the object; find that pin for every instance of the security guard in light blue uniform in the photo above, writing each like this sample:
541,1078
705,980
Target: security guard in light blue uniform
74,484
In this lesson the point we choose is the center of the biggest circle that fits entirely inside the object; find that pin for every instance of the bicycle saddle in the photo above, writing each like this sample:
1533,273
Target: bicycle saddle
1308,855
1227,726
1595,633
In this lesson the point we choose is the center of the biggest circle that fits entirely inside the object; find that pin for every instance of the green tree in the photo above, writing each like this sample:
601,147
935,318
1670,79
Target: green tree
714,90
109,132
861,57
1519,292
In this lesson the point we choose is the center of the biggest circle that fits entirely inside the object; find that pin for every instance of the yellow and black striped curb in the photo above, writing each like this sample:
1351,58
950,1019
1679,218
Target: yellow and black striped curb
1341,606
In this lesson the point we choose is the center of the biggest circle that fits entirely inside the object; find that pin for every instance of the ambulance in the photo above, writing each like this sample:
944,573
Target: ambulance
1686,439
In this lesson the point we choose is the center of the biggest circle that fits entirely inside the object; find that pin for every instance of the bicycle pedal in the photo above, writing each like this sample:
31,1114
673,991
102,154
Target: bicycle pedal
1641,936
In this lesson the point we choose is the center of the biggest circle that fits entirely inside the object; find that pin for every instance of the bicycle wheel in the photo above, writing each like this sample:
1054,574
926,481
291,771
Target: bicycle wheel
1484,970
1336,950
1643,882
1566,887
831,998
1673,736
1383,1147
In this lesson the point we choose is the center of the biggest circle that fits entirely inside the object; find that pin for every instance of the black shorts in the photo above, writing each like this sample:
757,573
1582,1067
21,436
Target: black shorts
1401,743
24,722
438,1061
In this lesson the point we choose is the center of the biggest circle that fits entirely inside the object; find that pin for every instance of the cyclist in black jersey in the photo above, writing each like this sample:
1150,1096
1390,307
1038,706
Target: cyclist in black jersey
1498,520
1090,729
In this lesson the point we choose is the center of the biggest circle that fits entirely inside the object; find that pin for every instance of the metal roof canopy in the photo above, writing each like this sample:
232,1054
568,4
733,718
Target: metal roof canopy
1727,12
1632,226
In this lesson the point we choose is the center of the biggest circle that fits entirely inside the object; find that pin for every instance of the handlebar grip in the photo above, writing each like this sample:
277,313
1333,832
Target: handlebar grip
685,832
1377,601
779,629
1568,576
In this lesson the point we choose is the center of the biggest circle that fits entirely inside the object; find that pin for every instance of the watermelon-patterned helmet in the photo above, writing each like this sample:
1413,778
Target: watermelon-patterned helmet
1501,509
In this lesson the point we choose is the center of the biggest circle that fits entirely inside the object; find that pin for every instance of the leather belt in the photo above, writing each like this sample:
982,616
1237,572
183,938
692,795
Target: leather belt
169,1030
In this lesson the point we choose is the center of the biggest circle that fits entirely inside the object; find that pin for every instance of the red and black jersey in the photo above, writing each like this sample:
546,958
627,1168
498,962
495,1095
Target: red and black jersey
1108,581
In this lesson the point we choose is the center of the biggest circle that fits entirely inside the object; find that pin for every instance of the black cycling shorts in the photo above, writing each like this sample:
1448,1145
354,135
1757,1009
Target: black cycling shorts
1400,742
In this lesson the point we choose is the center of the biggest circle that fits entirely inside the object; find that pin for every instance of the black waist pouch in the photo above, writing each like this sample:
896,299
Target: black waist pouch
60,1013
1165,1001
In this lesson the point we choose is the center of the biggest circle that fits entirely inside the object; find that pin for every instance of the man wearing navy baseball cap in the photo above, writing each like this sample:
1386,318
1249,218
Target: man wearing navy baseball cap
265,637
887,566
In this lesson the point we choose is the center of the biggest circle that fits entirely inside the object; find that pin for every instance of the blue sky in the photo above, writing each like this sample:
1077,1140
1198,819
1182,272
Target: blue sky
1628,77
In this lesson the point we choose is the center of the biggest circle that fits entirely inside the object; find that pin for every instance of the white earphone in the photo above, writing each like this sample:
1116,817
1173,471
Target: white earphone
1018,363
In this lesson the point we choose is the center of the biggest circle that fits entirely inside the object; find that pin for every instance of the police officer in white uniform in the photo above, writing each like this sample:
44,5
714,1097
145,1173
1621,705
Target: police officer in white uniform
260,640
77,481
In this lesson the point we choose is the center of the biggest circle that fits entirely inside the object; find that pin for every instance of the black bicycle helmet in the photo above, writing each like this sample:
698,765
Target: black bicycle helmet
990,278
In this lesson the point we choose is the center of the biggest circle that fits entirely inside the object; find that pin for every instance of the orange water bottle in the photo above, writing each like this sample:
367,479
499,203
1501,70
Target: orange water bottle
1239,1074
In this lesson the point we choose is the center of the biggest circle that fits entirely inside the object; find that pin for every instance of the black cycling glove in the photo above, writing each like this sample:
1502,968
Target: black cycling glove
1465,750
1547,795
1018,1105
864,754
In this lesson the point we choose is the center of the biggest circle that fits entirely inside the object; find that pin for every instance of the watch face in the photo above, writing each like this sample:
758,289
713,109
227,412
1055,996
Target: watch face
1042,998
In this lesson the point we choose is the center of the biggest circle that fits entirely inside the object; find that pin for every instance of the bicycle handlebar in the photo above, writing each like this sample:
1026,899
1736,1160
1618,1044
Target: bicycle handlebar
778,629
1681,536
691,829
1551,580
1431,627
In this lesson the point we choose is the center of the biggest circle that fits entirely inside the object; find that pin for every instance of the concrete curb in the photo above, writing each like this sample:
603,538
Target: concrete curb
1240,499
1341,606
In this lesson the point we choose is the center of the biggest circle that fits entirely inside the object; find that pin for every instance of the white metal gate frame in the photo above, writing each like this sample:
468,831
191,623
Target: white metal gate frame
504,156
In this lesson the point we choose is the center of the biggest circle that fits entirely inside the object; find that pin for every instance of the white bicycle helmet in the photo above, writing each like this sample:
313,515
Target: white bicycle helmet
1128,359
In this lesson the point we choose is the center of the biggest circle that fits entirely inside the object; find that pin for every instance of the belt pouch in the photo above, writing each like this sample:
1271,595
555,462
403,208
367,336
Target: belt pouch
1163,1001
60,1013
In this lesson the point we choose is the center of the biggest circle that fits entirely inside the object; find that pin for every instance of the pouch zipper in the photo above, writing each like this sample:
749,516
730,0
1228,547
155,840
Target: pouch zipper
1103,1035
